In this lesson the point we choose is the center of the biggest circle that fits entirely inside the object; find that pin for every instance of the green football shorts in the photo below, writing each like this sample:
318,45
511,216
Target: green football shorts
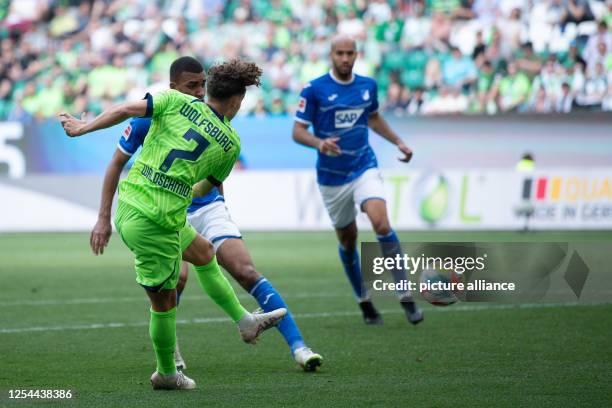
188,234
157,250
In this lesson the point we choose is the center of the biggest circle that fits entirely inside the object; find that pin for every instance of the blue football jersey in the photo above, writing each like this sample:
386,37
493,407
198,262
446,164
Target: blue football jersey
134,136
338,109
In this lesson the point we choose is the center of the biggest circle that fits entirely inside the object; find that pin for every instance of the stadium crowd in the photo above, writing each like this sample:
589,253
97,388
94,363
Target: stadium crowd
428,56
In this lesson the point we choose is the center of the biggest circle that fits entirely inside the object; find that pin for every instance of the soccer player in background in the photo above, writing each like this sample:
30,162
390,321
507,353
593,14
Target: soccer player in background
209,215
340,106
191,147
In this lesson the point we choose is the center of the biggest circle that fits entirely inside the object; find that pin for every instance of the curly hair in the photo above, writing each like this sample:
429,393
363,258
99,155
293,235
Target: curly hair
231,78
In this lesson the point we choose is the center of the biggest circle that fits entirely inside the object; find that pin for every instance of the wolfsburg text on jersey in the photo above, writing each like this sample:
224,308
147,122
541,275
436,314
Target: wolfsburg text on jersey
168,183
213,131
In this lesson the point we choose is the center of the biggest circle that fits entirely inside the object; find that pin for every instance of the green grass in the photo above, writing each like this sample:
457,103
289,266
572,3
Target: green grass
541,356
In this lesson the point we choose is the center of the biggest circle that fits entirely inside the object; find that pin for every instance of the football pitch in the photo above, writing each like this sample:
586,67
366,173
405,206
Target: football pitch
71,320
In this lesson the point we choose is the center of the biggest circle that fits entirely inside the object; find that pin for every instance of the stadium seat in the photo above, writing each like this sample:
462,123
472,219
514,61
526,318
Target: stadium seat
413,78
384,79
394,61
416,59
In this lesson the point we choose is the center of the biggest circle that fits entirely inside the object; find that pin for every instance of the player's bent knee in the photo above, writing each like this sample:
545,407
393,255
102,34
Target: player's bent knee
200,253
203,258
383,229
246,275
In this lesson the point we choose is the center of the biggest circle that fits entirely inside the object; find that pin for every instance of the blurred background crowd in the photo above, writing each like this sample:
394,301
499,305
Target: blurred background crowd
428,56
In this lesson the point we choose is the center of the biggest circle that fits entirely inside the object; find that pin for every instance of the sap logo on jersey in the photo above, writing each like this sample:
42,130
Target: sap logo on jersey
347,118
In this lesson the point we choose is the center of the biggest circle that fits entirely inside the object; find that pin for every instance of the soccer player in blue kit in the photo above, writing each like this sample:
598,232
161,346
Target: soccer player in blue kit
341,106
211,219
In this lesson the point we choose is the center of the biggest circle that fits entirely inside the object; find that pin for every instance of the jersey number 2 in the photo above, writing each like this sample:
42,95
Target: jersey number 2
184,154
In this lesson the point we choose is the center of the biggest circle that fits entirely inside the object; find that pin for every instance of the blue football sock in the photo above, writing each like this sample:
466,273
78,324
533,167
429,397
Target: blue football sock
390,246
352,268
269,299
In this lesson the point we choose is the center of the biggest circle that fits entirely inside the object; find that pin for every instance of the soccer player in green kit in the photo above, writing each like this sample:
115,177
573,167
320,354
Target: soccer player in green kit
190,148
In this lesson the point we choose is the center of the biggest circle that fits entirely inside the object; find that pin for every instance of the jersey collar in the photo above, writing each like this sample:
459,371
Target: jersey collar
217,114
341,82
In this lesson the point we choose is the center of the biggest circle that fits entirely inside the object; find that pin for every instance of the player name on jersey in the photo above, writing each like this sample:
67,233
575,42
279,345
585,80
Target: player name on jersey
168,183
213,131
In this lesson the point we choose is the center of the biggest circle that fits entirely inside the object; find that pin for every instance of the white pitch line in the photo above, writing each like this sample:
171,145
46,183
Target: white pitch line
209,320
83,301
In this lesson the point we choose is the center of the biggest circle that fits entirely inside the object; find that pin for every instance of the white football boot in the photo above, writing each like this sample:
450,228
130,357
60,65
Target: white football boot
177,381
253,324
308,360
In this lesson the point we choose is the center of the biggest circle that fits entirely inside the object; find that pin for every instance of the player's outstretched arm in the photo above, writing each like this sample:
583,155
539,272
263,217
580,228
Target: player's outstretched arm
326,146
110,117
101,232
378,124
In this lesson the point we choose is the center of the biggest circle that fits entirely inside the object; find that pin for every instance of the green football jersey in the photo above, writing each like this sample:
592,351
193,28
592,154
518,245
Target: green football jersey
186,143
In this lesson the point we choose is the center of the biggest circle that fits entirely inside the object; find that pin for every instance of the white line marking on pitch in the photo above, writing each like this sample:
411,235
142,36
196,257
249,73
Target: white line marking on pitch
83,301
208,320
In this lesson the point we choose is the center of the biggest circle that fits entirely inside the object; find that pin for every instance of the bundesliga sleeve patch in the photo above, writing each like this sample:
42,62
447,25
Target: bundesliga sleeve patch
302,105
127,132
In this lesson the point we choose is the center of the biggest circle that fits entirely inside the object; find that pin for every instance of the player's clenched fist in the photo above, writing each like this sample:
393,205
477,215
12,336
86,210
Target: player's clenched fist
330,147
72,126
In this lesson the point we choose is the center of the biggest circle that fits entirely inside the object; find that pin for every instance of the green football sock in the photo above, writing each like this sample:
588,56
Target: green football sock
216,285
162,329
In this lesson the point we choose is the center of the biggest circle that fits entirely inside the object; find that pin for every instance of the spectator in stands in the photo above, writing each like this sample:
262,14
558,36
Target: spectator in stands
528,61
498,51
433,74
512,29
479,48
277,107
595,87
565,101
393,104
350,24
550,78
260,110
459,71
100,50
541,102
486,11
577,78
280,72
416,102
417,27
441,26
448,101
573,57
598,57
313,68
601,36
575,11
513,90
485,96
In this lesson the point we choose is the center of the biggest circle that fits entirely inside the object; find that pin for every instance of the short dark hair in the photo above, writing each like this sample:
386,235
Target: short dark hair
184,64
231,78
